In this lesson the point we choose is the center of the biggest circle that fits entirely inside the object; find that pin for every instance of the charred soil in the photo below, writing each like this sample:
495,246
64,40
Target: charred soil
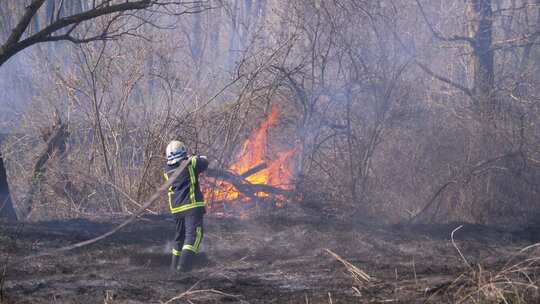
276,258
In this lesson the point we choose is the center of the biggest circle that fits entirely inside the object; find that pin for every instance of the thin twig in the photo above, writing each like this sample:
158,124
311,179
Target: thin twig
457,248
136,214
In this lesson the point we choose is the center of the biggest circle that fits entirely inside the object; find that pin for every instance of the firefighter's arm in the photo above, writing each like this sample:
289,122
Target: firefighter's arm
202,163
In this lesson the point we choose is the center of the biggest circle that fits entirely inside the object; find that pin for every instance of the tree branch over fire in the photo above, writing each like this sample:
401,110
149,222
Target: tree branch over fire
243,185
260,170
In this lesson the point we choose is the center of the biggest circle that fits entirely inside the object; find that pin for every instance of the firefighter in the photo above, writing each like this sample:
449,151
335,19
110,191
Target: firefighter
186,203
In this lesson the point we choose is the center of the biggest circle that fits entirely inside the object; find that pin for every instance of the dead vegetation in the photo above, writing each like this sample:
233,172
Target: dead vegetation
281,260
323,120
358,275
377,125
514,281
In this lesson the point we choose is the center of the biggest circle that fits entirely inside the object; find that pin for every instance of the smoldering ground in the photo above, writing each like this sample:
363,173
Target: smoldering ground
402,111
277,257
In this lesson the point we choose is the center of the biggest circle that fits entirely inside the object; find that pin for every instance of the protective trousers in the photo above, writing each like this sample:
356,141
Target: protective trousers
188,237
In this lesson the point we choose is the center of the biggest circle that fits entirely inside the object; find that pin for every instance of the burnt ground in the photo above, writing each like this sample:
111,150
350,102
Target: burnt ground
277,258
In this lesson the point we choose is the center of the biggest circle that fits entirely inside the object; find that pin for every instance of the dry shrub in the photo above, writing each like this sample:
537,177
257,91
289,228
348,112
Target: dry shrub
515,283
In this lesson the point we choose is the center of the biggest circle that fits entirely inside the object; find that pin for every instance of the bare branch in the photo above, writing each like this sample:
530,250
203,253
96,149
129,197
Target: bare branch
18,31
463,176
444,79
438,35
13,45
135,215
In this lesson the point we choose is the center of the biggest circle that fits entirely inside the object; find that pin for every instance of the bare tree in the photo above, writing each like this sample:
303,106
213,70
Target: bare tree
6,206
397,109
64,22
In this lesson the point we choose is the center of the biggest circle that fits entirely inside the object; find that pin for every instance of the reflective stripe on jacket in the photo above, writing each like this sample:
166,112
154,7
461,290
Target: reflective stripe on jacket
185,193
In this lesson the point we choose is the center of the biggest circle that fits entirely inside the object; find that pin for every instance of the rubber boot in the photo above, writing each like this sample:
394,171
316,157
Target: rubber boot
186,261
174,263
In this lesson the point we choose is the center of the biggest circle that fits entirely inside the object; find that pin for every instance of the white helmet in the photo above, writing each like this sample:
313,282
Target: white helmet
176,150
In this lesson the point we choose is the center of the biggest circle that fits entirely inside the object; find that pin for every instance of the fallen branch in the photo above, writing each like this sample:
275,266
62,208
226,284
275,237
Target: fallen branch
189,293
231,177
355,272
254,170
136,214
192,291
244,186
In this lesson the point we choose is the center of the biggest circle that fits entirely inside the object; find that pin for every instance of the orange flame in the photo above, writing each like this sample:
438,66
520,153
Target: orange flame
255,151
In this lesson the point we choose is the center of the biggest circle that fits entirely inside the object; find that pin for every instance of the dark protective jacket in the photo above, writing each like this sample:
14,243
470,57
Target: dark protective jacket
185,193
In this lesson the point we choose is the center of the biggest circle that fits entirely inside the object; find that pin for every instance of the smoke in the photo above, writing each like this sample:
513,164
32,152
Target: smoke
16,89
363,111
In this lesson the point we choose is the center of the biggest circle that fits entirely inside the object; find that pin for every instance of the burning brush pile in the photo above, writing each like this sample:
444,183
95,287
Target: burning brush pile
261,177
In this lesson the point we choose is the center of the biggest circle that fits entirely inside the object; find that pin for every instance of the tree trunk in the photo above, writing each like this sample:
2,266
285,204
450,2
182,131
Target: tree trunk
215,33
6,205
196,40
245,28
480,16
525,64
232,37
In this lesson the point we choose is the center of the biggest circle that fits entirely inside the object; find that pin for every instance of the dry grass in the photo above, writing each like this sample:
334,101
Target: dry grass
357,274
201,294
514,282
